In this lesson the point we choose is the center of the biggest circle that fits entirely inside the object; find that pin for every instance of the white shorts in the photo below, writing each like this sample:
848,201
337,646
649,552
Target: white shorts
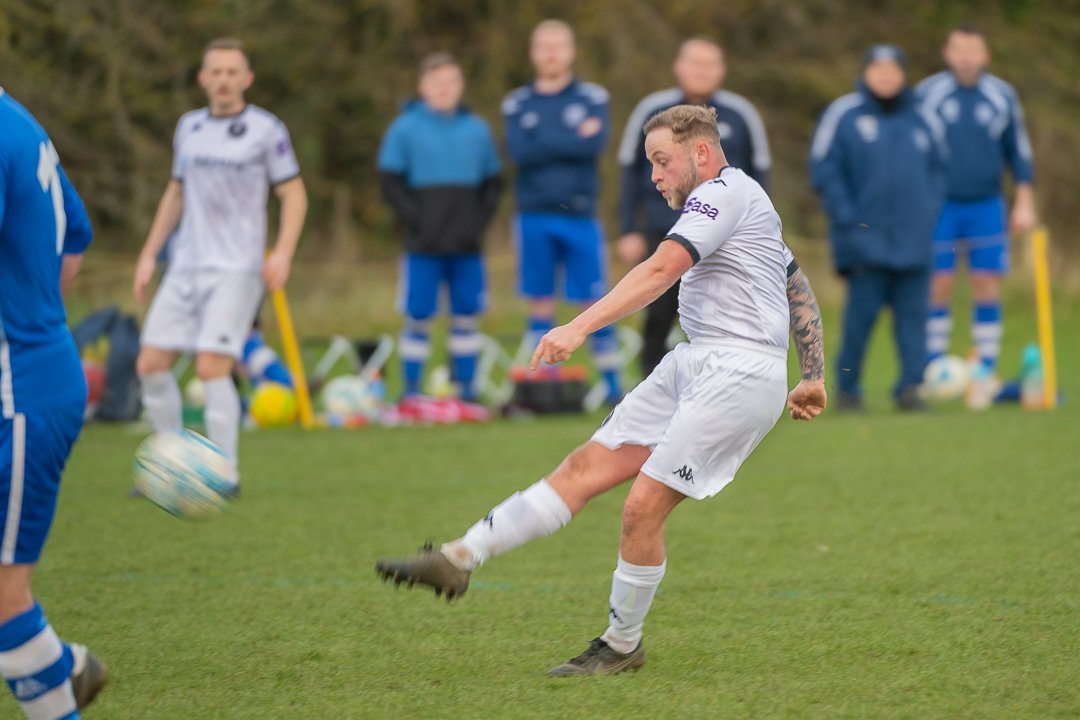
203,311
702,411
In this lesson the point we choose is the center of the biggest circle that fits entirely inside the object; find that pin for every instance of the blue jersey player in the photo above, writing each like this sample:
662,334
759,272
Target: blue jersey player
43,232
555,131
986,135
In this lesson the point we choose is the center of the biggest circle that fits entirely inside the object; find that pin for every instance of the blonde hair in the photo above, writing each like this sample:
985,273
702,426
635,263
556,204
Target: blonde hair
687,123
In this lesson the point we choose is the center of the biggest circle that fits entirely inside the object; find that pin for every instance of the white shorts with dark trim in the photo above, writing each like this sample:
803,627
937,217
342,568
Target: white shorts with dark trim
701,412
203,311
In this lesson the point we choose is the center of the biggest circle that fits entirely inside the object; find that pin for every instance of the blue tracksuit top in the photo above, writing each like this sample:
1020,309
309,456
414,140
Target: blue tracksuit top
984,130
432,149
440,174
880,175
556,167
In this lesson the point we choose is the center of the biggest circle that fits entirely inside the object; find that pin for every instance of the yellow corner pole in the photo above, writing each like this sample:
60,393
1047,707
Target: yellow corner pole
292,358
1044,313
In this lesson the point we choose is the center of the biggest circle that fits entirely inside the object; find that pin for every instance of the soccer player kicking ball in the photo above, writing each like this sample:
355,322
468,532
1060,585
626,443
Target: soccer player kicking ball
227,156
686,429
43,233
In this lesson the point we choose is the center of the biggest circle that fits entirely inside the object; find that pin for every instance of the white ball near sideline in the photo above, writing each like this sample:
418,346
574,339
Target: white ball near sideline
184,473
946,378
347,396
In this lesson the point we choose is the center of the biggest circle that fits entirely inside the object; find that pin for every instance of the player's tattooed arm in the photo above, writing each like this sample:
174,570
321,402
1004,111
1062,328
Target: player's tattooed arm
805,317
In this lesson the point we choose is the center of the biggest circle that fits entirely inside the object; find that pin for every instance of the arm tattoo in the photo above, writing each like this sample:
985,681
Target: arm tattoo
806,327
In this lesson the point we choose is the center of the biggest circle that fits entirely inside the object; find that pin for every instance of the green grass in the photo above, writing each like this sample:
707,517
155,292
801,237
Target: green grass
881,566
885,566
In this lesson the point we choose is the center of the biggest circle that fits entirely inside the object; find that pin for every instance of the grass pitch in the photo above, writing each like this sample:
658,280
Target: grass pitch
881,566
878,566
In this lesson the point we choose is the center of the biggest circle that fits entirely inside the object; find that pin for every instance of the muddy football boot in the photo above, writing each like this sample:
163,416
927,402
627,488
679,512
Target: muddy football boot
428,567
600,659
88,676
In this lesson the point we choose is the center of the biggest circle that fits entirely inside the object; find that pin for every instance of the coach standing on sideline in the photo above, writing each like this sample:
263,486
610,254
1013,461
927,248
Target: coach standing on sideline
644,216
556,128
439,171
878,164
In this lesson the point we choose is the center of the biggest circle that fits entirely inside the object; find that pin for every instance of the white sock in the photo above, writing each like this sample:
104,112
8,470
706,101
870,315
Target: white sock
222,414
632,591
161,398
536,512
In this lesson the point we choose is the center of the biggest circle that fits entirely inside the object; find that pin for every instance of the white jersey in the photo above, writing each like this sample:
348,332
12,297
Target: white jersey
227,165
738,285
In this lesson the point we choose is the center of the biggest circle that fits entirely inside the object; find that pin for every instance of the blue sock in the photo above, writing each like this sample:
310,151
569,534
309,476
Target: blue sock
537,328
464,345
605,346
938,330
414,346
262,364
37,666
986,330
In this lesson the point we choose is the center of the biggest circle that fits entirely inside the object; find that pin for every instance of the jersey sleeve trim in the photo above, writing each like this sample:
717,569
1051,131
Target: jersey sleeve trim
792,267
275,183
829,123
761,158
694,254
649,106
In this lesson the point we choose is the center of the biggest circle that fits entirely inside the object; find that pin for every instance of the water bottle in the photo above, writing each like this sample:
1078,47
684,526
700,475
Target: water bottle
377,387
1031,379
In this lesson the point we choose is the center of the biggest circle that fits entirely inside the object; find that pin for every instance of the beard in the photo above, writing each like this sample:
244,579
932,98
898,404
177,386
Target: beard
679,194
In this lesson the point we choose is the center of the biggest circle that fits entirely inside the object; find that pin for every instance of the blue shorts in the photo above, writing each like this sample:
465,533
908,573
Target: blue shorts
977,226
423,277
34,447
548,244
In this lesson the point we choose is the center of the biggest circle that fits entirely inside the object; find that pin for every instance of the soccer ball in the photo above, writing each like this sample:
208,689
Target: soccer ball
184,474
347,396
946,378
273,405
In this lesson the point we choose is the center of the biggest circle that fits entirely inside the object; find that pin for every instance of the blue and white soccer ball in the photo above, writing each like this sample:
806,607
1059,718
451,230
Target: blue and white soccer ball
184,473
946,378
347,396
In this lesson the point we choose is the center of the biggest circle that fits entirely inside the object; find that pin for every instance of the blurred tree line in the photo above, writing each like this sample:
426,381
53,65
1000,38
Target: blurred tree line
109,79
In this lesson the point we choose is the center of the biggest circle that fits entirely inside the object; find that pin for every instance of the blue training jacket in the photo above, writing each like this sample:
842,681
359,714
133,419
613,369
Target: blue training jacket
440,174
556,167
880,175
984,130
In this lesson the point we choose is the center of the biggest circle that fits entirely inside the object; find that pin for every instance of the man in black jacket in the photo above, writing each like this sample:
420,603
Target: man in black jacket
439,171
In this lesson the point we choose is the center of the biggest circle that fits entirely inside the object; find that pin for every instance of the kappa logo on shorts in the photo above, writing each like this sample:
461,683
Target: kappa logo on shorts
685,473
